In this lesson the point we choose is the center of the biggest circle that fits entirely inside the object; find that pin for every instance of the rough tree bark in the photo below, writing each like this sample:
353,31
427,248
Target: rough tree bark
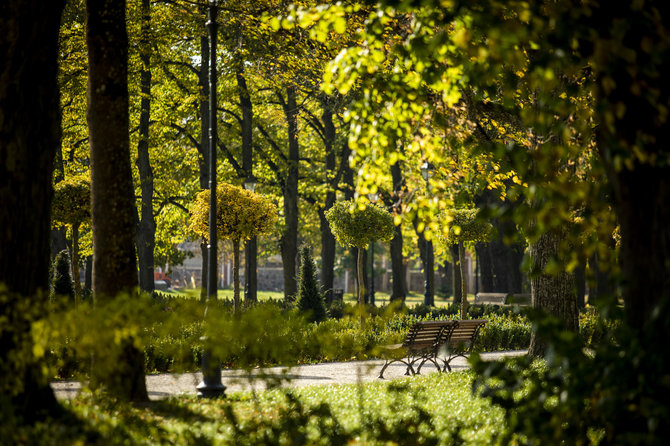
250,246
28,89
145,222
112,192
428,265
332,179
289,238
456,275
75,264
398,280
553,293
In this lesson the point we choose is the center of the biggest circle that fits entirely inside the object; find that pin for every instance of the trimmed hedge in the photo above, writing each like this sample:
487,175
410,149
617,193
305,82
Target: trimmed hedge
273,333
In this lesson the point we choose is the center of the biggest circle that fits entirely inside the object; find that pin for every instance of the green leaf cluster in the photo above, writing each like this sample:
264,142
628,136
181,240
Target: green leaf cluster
72,201
355,226
240,214
465,226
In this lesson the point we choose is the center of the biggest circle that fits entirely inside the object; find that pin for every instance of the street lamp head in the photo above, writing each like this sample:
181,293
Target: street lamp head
426,170
250,182
373,197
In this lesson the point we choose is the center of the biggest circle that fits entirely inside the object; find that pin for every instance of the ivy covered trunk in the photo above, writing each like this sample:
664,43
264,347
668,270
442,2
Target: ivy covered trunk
553,293
112,191
29,136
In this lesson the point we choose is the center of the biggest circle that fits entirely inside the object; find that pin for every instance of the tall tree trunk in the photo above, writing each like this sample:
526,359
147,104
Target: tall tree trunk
327,256
250,270
397,267
112,192
362,289
554,294
75,264
464,280
428,266
633,145
28,89
88,275
456,279
146,224
499,263
399,282
580,284
236,274
332,180
289,238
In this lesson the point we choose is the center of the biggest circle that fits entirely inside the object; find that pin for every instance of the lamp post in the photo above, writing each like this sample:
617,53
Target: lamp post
373,199
250,247
211,385
428,298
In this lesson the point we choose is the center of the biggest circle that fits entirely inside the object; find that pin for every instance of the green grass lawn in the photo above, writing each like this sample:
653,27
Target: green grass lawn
433,409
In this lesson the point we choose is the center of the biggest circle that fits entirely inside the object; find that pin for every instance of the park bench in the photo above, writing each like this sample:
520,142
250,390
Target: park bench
461,341
490,298
422,344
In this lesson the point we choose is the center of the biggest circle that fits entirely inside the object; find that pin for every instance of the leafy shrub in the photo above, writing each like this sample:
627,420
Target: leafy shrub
336,309
310,299
172,336
614,393
61,280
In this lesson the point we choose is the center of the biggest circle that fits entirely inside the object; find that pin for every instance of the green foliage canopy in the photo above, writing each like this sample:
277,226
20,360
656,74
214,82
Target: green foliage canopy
72,201
241,214
356,226
465,227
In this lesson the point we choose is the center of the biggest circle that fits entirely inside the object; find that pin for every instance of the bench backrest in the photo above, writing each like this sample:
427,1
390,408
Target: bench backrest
429,335
465,333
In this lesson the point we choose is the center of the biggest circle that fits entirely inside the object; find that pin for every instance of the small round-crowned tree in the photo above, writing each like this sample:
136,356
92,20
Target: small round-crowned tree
240,215
464,227
358,225
310,298
72,206
61,281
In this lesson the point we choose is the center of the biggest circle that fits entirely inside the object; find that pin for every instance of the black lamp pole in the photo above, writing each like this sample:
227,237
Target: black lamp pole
211,385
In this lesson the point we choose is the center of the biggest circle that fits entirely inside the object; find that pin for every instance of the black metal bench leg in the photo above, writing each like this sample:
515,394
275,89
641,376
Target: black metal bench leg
381,373
425,360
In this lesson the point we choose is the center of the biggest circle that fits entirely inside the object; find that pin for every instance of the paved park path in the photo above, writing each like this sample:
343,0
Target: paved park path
166,384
